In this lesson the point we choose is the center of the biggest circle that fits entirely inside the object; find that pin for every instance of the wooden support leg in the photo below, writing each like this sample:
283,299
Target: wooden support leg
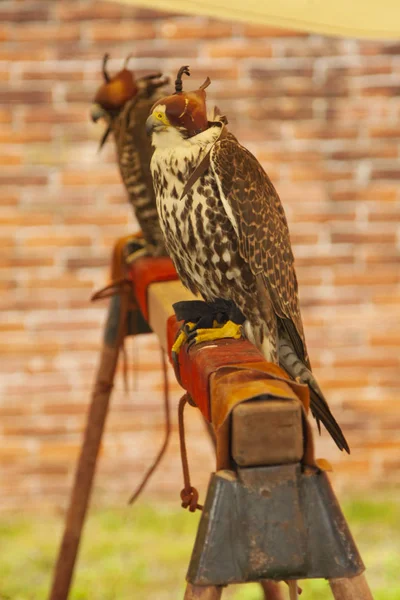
86,467
201,592
272,590
354,588
210,430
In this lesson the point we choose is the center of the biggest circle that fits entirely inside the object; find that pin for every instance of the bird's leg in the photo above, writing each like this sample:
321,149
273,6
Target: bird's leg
219,331
181,337
206,321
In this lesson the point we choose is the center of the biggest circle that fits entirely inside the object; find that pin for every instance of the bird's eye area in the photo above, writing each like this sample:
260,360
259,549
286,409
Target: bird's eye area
160,115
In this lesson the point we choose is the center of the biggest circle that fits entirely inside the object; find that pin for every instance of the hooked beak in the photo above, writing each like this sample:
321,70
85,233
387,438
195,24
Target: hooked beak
97,112
151,124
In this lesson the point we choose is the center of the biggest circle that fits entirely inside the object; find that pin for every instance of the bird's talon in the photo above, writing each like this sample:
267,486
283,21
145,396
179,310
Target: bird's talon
189,328
227,330
181,338
190,344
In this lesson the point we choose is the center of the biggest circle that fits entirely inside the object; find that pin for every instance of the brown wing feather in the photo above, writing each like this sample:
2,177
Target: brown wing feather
264,240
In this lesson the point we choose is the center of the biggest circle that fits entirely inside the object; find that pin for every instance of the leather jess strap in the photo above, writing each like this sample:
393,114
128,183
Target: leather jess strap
203,165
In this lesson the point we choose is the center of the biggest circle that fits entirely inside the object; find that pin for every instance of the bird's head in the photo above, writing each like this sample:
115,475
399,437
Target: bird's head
114,92
112,95
183,113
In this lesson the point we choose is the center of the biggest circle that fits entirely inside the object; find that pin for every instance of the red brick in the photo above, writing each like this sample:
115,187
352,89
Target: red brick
21,179
353,237
9,159
325,132
192,29
56,116
170,49
27,261
27,53
367,68
354,153
87,263
19,12
5,33
281,109
90,11
12,326
37,134
267,31
314,48
371,362
46,33
367,279
315,173
100,177
323,261
238,49
387,339
24,97
393,298
304,238
58,241
36,347
393,173
123,32
374,192
384,132
379,258
382,214
26,218
371,48
60,75
324,217
379,90
5,115
290,155
391,49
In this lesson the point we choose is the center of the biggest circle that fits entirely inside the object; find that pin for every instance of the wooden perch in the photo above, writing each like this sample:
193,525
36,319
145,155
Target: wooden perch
259,417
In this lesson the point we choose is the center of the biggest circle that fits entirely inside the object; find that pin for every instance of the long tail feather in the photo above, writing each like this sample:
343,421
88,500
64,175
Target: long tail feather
289,360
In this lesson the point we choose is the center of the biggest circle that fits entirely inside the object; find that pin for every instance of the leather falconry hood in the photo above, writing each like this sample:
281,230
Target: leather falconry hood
116,90
186,109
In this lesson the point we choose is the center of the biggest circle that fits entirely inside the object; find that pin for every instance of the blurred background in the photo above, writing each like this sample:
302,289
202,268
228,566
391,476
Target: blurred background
322,114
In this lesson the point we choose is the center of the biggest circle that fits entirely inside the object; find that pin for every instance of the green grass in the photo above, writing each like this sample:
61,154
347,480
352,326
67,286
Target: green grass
142,553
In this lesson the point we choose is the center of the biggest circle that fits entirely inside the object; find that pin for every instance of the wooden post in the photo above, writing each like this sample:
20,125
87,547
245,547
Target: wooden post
86,467
200,592
272,590
352,588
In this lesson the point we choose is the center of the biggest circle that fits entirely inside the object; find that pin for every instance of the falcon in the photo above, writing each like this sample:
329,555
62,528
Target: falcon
226,232
124,103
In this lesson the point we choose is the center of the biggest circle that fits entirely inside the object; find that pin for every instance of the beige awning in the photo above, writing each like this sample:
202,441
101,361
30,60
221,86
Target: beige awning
351,18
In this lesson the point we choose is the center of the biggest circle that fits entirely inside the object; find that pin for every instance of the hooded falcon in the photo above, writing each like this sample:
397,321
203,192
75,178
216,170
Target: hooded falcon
226,232
124,103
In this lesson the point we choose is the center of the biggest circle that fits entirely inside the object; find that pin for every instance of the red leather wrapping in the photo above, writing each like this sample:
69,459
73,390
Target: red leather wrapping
202,360
147,270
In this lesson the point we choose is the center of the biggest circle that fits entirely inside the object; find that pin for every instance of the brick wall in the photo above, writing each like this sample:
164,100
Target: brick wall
322,114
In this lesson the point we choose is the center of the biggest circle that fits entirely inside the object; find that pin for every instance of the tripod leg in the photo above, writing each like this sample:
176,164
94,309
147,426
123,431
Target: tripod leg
210,430
85,470
272,590
203,592
354,588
